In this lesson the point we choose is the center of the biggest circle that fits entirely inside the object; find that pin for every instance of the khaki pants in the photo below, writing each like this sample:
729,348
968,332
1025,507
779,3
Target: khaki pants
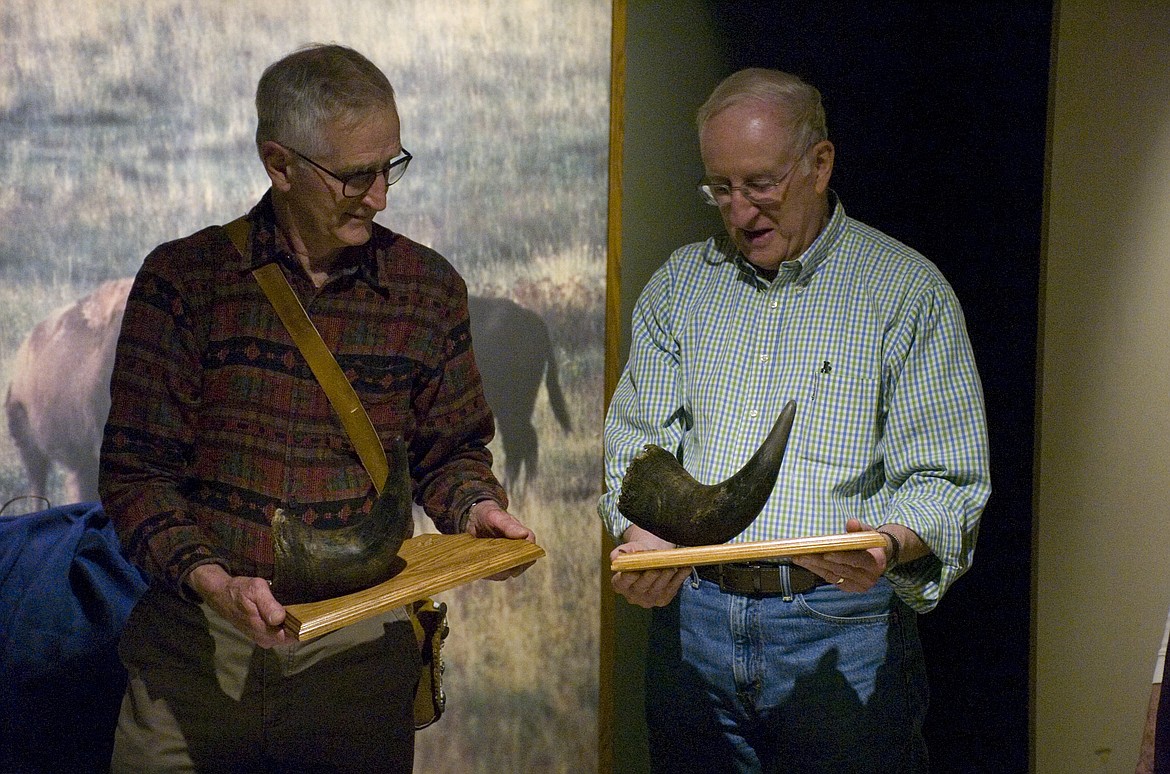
202,697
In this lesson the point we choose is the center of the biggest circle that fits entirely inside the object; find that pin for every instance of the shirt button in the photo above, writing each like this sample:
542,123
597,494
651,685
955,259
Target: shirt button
775,303
764,358
753,413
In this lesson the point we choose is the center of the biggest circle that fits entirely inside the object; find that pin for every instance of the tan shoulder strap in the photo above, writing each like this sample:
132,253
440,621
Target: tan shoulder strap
238,231
324,366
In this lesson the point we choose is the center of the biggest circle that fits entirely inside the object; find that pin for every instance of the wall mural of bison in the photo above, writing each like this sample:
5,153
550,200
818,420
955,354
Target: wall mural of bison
58,397
59,394
128,123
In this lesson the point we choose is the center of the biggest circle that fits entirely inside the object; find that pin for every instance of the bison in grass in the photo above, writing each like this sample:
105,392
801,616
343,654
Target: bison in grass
59,395
58,399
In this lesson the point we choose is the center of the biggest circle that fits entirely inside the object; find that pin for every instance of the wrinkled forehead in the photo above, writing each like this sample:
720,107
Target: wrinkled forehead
375,128
374,117
749,119
746,140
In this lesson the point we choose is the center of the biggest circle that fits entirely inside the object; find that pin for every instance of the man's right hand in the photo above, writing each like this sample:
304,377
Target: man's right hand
647,588
246,602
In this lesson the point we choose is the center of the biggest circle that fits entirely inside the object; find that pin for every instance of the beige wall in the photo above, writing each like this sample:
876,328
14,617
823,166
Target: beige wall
1103,564
660,203
660,210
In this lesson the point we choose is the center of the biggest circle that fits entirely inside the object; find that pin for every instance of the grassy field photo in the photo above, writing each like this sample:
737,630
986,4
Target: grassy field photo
129,123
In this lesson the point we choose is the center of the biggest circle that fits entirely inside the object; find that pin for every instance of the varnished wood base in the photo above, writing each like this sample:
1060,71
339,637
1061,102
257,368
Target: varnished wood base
434,563
742,552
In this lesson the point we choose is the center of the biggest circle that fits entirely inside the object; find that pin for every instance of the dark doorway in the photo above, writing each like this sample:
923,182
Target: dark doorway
939,115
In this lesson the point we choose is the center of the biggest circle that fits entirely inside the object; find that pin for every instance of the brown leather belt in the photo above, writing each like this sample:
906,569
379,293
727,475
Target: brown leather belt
760,578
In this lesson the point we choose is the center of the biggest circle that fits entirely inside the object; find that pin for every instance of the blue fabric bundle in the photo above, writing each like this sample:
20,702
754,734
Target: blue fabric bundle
66,591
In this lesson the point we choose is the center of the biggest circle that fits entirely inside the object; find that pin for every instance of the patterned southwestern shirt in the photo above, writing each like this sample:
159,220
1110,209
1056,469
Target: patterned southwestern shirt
868,338
217,420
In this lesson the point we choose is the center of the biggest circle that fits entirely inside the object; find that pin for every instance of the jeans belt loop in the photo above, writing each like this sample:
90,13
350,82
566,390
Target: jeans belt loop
786,582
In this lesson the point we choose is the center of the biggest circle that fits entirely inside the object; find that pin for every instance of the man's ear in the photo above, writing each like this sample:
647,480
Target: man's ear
823,155
277,163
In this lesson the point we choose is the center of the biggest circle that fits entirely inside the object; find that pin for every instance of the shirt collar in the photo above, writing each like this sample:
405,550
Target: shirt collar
360,261
818,252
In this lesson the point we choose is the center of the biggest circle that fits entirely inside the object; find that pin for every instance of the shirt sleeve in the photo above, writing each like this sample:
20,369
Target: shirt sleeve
148,440
646,407
935,442
453,463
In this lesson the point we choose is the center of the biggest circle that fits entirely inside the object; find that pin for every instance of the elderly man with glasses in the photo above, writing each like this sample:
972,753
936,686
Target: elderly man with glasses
806,664
217,424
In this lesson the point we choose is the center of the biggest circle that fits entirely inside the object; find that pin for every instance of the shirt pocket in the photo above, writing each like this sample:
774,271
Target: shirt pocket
385,386
378,379
840,428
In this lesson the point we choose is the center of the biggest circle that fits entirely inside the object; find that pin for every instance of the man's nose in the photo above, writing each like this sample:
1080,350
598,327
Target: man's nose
375,197
740,208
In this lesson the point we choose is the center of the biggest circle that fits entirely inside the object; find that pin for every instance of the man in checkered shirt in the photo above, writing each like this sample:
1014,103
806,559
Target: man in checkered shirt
812,665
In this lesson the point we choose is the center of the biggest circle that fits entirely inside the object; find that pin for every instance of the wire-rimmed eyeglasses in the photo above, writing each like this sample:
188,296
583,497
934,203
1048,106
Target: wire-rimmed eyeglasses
762,191
355,185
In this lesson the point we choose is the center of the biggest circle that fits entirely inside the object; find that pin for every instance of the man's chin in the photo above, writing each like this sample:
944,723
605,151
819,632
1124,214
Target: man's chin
356,232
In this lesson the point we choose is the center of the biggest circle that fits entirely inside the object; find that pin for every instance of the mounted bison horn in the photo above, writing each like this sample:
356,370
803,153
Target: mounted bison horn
659,495
314,564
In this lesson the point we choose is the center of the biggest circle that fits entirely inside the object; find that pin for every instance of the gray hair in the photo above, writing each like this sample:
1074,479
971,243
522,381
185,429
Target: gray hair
297,96
798,100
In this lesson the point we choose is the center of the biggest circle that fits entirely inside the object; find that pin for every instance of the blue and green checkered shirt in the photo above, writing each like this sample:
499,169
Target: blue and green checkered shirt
868,338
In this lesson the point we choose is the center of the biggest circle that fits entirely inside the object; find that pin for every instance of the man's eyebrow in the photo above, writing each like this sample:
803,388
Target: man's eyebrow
377,167
757,177
363,169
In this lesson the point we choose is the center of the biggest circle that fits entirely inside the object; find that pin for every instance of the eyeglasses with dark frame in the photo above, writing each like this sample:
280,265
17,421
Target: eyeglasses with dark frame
355,185
762,192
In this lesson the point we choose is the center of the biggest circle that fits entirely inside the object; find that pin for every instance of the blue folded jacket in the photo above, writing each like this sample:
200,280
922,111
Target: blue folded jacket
66,590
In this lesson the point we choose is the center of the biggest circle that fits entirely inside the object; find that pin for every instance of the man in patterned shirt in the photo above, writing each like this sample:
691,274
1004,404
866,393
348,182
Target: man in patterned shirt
217,421
812,665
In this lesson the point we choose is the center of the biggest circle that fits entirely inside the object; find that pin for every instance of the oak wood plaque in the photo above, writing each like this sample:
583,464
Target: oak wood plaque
692,556
434,563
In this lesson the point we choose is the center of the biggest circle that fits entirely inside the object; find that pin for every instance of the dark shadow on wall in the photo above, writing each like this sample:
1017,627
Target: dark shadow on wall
939,116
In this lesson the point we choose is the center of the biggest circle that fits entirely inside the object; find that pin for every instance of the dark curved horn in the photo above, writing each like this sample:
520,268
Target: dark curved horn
659,495
314,564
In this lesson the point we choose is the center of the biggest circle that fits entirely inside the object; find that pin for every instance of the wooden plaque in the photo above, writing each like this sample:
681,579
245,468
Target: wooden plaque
744,552
434,563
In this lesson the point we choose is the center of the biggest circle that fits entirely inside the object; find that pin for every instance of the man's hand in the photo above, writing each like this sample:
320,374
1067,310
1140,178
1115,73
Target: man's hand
647,588
487,519
859,570
246,602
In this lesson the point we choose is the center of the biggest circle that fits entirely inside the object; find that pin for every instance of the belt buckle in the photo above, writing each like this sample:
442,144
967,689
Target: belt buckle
766,571
725,584
749,578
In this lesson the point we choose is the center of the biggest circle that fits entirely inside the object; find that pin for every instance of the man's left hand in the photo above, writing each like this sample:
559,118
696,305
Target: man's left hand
488,520
848,570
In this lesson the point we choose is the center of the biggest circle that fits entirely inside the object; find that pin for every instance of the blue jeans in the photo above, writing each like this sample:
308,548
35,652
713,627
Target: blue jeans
827,681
